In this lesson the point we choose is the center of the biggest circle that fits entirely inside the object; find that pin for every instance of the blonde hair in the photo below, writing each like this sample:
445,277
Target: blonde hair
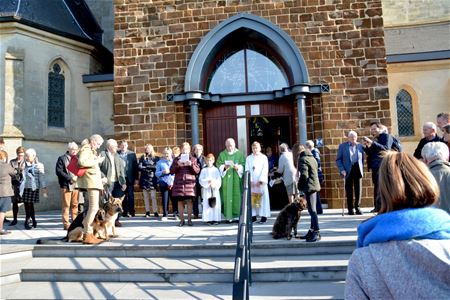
405,182
3,155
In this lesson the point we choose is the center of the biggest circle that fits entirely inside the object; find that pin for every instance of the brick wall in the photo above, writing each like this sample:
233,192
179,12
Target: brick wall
341,41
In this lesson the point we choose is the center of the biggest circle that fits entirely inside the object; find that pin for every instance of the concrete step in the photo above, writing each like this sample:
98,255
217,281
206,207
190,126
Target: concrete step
279,248
187,269
163,290
11,265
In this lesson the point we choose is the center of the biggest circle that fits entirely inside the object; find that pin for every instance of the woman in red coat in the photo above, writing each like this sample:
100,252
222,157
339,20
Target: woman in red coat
185,168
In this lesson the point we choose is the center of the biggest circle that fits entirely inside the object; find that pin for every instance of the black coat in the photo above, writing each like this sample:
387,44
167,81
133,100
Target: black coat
64,176
147,169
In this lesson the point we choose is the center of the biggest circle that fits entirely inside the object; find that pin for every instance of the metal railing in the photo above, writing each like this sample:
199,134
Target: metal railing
242,264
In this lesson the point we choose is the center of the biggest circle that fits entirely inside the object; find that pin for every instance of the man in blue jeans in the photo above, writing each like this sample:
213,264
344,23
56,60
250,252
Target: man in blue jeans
131,176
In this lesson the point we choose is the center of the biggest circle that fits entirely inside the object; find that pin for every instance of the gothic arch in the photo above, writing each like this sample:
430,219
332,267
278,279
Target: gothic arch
65,72
277,38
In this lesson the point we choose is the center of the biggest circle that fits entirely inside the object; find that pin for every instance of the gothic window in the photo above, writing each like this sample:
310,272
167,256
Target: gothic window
244,70
56,90
405,117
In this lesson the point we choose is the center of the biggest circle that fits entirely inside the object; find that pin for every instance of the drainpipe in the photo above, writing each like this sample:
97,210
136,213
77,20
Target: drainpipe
301,108
194,121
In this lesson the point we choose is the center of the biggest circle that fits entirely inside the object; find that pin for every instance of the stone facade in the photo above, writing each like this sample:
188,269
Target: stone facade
342,43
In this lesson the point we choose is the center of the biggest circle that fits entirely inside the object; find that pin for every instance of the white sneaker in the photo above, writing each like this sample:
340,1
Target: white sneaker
164,219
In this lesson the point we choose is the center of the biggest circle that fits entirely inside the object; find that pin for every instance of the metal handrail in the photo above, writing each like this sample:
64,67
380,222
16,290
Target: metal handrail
242,264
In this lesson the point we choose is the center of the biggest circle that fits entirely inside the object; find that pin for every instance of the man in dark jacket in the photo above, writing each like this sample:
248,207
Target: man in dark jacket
381,142
131,176
429,130
309,184
66,180
113,169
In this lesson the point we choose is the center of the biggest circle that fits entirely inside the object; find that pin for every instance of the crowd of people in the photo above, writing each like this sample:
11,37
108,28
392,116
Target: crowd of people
188,178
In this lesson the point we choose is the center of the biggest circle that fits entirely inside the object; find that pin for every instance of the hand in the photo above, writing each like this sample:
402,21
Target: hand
124,187
100,159
235,167
180,164
45,192
104,180
344,173
188,163
166,171
136,182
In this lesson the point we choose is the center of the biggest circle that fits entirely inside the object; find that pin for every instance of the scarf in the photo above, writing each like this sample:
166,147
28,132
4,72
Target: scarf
29,173
411,223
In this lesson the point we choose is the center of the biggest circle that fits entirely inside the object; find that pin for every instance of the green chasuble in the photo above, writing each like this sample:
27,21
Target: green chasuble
231,190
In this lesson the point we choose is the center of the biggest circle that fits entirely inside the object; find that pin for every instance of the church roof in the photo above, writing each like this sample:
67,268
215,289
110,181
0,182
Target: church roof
69,18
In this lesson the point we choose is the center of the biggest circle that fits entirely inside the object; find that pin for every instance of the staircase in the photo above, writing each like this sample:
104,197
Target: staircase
129,269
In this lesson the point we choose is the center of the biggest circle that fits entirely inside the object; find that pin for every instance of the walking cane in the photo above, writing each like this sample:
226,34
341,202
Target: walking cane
343,200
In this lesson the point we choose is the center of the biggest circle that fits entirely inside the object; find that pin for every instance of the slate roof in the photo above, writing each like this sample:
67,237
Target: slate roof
69,18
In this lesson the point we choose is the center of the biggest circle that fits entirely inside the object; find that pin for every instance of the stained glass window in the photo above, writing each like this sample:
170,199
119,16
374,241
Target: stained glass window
405,117
247,70
56,87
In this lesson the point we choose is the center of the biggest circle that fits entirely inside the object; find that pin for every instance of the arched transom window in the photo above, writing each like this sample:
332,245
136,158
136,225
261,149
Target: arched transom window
246,70
405,116
56,89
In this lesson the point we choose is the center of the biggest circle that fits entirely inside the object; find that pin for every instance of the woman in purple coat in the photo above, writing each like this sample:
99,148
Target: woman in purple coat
185,168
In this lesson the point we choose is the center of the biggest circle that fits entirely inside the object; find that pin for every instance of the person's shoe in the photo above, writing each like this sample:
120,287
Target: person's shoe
5,220
125,215
358,211
263,220
27,225
164,219
253,219
190,223
13,222
215,223
156,215
117,223
306,236
34,223
351,212
195,217
210,223
230,221
4,232
181,224
132,214
89,238
374,211
314,237
147,214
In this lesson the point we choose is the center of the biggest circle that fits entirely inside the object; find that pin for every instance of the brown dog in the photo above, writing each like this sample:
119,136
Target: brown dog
112,209
75,231
287,219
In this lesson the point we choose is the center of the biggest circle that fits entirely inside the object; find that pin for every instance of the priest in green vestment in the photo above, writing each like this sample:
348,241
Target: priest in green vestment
231,163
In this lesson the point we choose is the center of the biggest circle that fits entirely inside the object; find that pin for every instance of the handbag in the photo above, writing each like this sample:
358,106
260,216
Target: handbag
256,196
212,200
74,168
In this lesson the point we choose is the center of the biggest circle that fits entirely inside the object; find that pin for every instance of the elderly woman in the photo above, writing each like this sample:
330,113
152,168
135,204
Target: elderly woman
403,251
148,180
185,168
287,168
92,182
165,182
33,181
6,191
18,164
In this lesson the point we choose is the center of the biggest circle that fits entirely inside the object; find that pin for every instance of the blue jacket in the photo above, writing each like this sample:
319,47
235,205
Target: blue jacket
344,161
374,152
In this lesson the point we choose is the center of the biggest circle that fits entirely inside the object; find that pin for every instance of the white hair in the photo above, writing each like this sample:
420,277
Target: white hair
352,133
284,147
111,143
430,125
96,137
231,141
309,144
30,151
72,145
435,151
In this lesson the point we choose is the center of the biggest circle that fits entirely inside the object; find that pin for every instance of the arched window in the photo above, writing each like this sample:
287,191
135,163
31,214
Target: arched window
405,116
247,69
56,95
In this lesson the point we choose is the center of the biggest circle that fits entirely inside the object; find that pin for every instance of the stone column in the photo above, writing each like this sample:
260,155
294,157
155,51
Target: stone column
301,108
194,121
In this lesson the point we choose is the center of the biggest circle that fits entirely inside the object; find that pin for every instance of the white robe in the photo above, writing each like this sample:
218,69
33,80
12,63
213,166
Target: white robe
258,166
210,214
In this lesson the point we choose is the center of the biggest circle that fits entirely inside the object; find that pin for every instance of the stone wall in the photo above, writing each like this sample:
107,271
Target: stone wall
342,43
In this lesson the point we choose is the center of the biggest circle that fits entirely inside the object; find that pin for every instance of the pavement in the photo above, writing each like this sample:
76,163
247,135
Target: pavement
140,231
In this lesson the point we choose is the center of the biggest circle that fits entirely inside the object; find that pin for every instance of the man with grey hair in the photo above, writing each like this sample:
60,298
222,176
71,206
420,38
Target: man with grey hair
429,135
231,164
113,169
350,162
436,155
442,119
66,180
287,168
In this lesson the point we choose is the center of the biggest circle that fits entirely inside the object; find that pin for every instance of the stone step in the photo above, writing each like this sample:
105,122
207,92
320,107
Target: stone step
187,269
11,265
164,290
107,249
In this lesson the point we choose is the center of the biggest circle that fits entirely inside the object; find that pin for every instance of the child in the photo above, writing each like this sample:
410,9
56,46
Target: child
210,180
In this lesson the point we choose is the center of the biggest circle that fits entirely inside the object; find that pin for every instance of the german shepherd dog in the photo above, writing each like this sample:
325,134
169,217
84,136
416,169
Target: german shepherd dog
287,219
104,227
